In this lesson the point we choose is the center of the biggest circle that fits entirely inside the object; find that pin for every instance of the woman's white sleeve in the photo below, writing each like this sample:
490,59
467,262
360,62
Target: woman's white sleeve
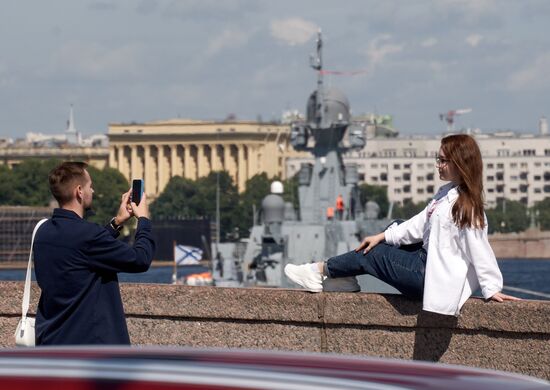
481,255
409,232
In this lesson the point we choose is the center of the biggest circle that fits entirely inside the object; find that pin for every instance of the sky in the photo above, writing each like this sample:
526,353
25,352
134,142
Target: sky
145,60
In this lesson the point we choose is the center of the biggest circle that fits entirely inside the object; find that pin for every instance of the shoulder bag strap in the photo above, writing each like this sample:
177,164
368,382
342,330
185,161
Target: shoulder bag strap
27,291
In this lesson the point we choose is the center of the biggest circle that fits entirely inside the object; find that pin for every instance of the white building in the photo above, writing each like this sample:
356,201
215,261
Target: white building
516,167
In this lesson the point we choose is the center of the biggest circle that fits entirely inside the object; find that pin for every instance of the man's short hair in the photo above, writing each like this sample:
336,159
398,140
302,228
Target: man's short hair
64,178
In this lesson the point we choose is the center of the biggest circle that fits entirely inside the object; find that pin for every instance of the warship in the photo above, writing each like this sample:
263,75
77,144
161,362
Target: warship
330,219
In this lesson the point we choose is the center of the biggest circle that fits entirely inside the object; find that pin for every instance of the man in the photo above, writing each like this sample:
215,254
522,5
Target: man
76,264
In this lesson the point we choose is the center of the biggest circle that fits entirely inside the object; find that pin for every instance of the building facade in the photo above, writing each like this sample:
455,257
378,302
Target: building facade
157,151
14,155
516,167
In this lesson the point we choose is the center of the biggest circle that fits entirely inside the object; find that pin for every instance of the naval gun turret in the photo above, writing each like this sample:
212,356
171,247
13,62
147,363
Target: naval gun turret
328,193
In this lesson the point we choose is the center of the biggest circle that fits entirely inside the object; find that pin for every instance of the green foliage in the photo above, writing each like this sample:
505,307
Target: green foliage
27,184
542,210
374,193
507,217
256,188
175,201
184,198
408,209
109,185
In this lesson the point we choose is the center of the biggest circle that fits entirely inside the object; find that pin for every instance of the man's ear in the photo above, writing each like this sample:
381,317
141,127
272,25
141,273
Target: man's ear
78,192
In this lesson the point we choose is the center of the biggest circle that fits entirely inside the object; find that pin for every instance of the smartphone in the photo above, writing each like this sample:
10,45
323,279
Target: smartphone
137,190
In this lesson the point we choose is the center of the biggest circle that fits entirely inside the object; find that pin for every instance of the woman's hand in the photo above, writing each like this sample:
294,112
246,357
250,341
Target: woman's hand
370,242
500,297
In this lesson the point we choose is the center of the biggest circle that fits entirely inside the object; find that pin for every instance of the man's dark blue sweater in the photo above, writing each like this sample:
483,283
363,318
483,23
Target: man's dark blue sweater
76,264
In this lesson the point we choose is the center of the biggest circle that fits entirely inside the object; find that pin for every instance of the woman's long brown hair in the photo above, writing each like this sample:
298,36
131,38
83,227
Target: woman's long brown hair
464,153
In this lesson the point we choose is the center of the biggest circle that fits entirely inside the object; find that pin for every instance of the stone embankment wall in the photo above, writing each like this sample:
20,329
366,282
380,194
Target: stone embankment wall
513,336
531,244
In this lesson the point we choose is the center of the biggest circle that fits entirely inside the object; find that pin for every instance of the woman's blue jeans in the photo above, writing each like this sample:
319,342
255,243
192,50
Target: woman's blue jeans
399,267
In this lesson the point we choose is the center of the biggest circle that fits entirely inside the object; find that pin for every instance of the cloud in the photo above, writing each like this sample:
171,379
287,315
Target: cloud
93,61
429,42
102,5
532,77
377,50
474,39
211,10
229,38
293,31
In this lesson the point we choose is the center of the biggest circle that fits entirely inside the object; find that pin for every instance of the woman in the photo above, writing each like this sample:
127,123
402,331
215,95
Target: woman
455,258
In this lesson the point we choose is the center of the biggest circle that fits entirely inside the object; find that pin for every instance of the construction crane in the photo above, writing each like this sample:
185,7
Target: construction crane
450,116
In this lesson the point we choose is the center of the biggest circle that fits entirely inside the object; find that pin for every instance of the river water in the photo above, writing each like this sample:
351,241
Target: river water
529,279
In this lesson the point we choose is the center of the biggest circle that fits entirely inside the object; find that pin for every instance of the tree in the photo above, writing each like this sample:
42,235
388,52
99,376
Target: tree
256,188
184,198
507,217
7,186
109,185
30,182
174,201
542,209
408,210
374,193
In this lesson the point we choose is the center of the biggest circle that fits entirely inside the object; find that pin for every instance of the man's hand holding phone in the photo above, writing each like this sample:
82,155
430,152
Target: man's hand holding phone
138,201
141,209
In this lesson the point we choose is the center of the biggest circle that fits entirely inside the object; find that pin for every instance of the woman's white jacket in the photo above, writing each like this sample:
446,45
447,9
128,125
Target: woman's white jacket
459,261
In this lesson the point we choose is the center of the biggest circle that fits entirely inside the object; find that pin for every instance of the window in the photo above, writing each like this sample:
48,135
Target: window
529,152
490,190
374,178
420,166
490,178
430,176
547,188
430,189
420,191
407,166
514,190
524,165
374,166
538,190
397,190
407,189
490,166
503,152
500,175
523,188
523,175
514,177
384,176
500,188
537,177
407,176
500,166
546,176
513,165
420,178
396,166
537,164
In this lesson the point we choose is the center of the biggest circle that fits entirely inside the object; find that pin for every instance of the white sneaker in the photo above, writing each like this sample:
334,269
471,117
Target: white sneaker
305,276
347,284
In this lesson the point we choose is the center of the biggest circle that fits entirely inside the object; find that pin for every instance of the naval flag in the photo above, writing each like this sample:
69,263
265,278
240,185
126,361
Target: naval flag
187,255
